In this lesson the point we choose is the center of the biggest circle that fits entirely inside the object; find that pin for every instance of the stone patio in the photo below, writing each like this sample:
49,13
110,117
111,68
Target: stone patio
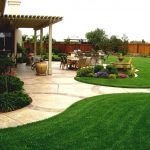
51,95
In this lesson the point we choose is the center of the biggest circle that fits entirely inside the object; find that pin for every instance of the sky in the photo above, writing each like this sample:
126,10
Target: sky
116,17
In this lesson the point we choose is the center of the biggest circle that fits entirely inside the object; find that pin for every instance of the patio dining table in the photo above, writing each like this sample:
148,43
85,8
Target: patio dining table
72,62
71,58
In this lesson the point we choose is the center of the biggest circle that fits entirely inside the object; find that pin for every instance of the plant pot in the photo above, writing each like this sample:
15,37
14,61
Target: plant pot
120,58
41,68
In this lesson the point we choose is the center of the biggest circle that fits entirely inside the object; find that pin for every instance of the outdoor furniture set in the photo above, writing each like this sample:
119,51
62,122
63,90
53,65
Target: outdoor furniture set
77,60
74,61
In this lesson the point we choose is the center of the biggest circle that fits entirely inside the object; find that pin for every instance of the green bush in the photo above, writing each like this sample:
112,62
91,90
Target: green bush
112,76
85,72
62,54
19,60
55,57
13,100
10,84
5,64
111,69
131,72
22,59
98,68
45,56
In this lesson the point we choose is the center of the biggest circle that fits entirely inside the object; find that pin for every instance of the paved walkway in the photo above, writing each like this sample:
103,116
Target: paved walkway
52,94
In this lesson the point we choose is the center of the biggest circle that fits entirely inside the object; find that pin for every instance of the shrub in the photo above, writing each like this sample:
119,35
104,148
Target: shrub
10,84
98,68
22,59
45,56
13,100
102,74
111,69
5,64
131,72
112,76
19,60
55,57
85,72
62,54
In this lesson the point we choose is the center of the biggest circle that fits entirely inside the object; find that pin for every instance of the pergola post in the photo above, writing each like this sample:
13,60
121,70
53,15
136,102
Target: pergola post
41,40
35,39
50,50
15,46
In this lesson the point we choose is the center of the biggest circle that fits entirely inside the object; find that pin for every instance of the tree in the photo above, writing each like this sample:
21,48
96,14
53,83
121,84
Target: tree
125,44
119,45
24,37
98,38
115,43
143,41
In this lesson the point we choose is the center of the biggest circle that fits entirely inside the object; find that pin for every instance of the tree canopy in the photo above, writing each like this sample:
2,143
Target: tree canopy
98,38
101,41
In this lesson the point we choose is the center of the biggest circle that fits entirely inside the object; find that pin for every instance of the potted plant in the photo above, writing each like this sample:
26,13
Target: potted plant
41,67
120,57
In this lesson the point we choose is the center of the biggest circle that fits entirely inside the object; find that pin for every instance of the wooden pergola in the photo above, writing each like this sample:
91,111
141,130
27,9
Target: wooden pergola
31,21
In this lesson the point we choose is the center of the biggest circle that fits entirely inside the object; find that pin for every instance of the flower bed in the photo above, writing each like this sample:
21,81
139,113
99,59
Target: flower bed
99,71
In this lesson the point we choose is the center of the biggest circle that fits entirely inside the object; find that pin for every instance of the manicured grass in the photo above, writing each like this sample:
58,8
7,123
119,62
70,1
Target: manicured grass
118,121
142,81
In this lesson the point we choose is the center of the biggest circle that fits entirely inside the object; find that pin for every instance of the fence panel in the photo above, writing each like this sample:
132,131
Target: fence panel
139,48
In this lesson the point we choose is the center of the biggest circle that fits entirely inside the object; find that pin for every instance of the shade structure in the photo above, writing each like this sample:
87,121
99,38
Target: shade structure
13,22
27,21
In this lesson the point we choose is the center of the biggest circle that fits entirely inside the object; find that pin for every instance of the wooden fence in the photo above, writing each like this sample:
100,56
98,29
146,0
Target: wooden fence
63,47
136,49
139,49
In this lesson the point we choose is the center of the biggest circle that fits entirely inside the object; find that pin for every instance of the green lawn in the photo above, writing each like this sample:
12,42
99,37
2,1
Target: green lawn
142,81
118,122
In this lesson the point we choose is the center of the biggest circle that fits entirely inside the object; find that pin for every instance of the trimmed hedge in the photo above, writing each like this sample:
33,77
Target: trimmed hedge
13,100
10,84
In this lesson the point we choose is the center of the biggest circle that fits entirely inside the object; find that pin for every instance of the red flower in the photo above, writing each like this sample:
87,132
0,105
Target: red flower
122,75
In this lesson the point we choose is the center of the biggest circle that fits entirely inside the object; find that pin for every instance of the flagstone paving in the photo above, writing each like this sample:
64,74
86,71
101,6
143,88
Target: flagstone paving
52,94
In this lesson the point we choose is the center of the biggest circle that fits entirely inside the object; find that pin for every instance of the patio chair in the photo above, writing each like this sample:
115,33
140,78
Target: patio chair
63,62
88,61
128,65
81,63
123,65
95,60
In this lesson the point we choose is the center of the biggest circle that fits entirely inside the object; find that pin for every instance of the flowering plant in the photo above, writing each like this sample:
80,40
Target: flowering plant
102,74
122,75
